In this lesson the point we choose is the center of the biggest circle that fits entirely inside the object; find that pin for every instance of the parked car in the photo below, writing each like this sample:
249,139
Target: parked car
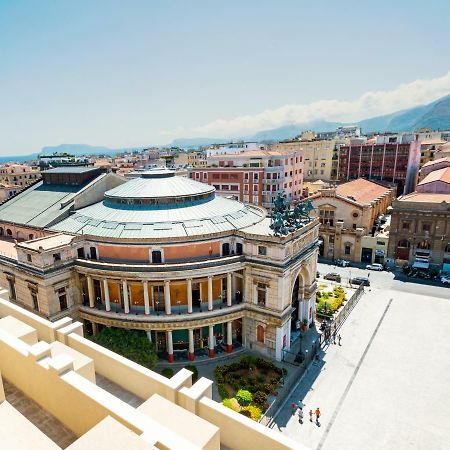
332,277
375,266
360,280
445,279
342,263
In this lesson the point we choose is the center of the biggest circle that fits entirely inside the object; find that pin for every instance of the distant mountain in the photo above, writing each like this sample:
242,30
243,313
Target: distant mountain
290,131
196,142
435,115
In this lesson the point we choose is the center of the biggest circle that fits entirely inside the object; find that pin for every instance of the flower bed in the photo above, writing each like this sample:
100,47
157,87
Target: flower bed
328,301
246,385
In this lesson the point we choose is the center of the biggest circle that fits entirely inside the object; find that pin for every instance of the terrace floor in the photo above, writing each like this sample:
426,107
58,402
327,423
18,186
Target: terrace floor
118,391
40,418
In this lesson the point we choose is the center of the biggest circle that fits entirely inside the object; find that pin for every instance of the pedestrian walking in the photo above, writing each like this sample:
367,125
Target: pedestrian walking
300,416
317,416
300,404
294,408
310,415
339,339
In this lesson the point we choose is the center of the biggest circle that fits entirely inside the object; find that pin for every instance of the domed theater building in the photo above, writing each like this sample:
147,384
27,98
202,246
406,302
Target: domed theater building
198,272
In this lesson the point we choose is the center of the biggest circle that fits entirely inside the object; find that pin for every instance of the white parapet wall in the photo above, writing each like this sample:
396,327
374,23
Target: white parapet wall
58,373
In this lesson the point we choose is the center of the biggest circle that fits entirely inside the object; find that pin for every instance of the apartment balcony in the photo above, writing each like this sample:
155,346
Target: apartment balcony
271,181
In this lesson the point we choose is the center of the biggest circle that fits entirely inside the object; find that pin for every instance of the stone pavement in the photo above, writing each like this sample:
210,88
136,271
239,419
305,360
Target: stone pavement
40,418
386,387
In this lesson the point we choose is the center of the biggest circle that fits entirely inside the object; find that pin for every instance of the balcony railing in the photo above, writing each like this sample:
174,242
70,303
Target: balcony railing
130,266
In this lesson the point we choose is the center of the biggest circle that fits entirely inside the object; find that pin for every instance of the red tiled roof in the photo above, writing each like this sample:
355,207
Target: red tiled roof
363,191
437,175
425,197
436,161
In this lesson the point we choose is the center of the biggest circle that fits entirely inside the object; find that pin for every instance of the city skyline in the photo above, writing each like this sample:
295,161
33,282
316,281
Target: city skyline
149,72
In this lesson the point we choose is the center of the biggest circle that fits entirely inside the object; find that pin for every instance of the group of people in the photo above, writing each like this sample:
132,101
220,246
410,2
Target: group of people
298,408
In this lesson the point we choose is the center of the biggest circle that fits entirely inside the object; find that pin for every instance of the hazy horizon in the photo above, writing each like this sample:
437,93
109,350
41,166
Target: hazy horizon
143,73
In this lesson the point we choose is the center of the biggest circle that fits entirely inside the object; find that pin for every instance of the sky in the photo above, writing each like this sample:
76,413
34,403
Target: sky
137,73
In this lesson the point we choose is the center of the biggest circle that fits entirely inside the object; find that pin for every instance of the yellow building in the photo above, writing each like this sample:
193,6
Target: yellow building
320,157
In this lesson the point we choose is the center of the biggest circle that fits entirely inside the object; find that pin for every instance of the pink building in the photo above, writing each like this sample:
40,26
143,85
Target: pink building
255,176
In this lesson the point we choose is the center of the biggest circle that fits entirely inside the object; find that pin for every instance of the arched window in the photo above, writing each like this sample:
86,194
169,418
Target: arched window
424,245
403,249
260,332
2,231
9,232
30,236
404,243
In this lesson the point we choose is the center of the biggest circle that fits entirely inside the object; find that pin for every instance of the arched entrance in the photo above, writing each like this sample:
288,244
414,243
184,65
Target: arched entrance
300,304
321,245
295,303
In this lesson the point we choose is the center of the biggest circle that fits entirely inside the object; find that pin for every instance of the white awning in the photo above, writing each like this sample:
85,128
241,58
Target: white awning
421,264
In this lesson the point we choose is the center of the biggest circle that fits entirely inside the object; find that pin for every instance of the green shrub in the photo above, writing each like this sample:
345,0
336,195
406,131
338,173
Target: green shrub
255,412
260,399
244,397
194,371
248,361
132,344
167,372
232,403
227,402
246,413
262,363
260,379
222,391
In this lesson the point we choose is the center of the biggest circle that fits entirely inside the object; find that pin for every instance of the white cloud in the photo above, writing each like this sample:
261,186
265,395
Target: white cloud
368,105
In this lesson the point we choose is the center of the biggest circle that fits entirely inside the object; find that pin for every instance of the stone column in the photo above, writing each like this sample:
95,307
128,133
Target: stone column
229,287
126,302
106,290
167,297
189,295
146,299
191,354
210,293
149,336
229,336
94,328
91,294
211,342
169,346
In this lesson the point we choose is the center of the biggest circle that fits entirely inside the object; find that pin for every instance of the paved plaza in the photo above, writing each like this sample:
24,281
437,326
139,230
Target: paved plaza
387,386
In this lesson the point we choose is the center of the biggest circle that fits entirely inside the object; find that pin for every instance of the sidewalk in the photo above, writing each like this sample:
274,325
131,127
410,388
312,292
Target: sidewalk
322,387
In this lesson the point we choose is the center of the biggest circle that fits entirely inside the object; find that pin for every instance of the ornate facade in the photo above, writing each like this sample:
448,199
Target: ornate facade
164,254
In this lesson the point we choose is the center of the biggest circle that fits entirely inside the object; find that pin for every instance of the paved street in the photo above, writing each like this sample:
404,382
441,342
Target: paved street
387,386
